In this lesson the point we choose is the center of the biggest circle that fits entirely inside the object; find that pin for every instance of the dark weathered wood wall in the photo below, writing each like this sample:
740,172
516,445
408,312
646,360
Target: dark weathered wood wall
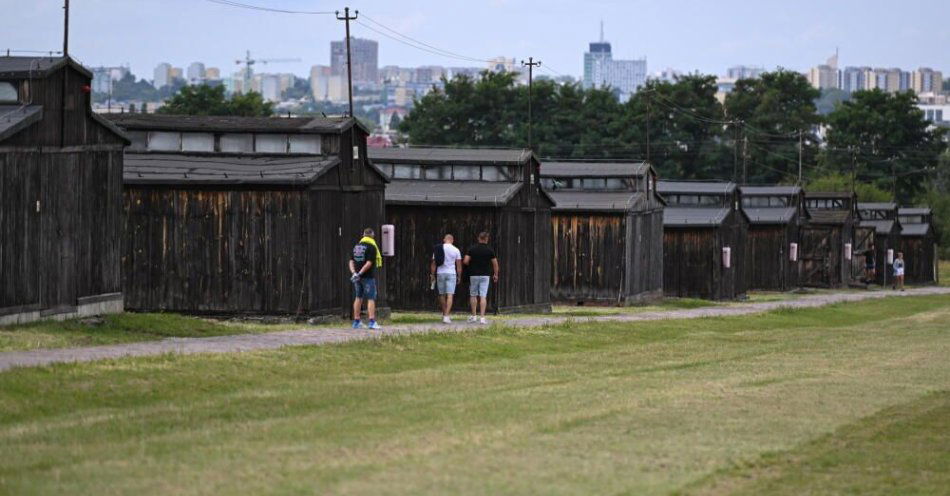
823,257
919,259
767,263
69,249
607,257
692,260
521,237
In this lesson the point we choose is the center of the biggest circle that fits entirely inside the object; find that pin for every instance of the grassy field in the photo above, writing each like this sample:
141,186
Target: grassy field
137,327
122,328
781,400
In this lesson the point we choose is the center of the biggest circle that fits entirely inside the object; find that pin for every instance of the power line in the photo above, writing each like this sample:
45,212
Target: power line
444,52
232,3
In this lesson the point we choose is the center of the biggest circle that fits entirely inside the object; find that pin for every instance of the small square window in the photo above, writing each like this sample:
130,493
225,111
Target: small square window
270,143
164,141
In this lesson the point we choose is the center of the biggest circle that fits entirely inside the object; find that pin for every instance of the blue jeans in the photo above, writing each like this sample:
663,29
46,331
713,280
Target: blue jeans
365,288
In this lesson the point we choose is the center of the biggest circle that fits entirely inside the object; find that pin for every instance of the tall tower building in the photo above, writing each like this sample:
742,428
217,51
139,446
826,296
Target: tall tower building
364,54
601,70
162,75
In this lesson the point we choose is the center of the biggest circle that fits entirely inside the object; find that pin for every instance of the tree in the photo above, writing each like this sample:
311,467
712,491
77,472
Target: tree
837,181
829,99
680,126
886,140
936,195
208,100
946,84
772,115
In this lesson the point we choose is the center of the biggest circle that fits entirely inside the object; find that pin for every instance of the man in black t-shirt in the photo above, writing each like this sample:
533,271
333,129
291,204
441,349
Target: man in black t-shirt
482,264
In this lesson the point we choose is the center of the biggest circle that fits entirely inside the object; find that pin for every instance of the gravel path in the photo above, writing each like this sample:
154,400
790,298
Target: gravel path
248,342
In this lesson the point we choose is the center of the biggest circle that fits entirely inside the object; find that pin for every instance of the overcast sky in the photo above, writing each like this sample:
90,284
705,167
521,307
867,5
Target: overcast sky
687,35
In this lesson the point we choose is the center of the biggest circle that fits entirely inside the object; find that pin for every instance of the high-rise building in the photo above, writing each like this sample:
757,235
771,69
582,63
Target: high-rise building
601,70
826,76
196,72
852,78
429,74
270,87
176,73
502,64
104,77
364,55
927,80
737,72
320,82
162,75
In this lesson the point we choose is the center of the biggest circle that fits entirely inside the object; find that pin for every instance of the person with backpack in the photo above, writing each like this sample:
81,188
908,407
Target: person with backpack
445,271
365,260
482,270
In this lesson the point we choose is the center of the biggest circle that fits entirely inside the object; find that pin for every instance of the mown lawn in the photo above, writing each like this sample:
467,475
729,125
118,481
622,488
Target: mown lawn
636,408
121,328
138,327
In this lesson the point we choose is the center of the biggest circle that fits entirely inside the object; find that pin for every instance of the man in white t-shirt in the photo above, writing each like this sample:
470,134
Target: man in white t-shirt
447,276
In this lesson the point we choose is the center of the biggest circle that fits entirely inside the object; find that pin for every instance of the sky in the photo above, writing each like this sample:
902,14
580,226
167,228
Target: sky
687,35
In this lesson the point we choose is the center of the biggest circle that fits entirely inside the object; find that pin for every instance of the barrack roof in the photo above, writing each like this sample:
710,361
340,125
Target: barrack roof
230,123
593,201
449,156
219,169
594,169
696,187
475,193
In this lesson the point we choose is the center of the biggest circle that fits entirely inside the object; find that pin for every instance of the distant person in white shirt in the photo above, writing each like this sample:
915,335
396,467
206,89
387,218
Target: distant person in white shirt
899,271
447,274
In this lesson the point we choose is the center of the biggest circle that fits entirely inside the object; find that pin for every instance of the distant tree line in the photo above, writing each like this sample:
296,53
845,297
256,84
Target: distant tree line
874,142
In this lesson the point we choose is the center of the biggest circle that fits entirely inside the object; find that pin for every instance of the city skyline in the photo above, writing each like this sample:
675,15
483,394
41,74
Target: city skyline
111,33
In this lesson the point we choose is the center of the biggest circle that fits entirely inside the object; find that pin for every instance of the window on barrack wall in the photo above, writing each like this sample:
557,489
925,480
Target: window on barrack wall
8,92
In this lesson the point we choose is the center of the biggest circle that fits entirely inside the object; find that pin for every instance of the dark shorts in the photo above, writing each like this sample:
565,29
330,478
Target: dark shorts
365,289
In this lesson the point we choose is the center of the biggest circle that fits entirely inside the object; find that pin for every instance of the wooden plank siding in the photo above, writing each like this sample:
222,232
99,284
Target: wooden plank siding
920,259
692,260
607,257
60,204
767,262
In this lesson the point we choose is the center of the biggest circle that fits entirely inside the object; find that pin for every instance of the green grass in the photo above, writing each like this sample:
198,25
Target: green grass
621,408
121,328
138,327
902,450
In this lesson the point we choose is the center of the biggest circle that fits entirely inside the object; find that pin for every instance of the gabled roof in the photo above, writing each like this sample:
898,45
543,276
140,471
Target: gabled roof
17,67
696,187
915,229
15,118
594,169
876,206
880,226
592,201
914,211
769,190
450,156
770,215
828,194
219,169
230,123
829,216
474,193
698,217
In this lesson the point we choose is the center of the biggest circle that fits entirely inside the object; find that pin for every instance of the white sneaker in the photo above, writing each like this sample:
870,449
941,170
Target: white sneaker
483,321
472,319
446,319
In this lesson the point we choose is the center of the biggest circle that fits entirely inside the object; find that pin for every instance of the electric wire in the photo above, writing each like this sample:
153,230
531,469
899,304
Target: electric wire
232,3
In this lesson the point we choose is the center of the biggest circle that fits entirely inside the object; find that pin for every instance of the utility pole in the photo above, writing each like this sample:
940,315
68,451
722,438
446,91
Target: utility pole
800,148
349,66
530,64
649,112
745,159
66,28
735,152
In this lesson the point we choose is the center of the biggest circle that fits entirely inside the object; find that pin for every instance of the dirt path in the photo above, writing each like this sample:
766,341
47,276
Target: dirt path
248,342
